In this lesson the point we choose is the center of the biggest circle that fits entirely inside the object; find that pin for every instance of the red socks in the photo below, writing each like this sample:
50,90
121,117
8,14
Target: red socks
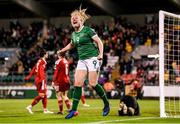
44,102
36,100
60,104
83,99
68,103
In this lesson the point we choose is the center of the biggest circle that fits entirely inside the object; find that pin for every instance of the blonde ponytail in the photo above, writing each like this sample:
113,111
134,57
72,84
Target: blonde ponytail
81,13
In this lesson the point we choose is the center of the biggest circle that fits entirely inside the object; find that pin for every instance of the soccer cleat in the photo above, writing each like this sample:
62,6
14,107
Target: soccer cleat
60,113
29,108
86,105
106,110
71,114
48,112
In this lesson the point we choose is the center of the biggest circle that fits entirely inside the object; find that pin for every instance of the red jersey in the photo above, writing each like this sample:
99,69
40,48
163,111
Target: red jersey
61,72
39,71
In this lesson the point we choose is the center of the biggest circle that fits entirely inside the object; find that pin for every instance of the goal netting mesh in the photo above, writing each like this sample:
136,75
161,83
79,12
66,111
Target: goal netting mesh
169,64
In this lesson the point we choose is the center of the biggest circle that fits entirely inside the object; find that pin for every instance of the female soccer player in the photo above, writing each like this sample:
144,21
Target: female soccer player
61,82
129,106
40,78
90,51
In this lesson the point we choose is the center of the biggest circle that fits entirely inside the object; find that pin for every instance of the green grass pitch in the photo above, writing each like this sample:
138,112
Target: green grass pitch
13,111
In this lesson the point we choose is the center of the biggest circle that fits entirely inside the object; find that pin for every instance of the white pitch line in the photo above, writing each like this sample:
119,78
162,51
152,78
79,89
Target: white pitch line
121,120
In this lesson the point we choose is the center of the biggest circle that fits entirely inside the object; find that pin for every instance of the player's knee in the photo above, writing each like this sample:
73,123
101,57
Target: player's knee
78,83
59,97
92,84
66,97
42,95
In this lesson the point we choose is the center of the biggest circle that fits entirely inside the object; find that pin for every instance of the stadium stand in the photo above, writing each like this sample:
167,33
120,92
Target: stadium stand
120,40
126,43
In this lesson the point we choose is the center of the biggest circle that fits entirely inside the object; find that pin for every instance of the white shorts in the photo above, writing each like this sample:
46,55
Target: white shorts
91,64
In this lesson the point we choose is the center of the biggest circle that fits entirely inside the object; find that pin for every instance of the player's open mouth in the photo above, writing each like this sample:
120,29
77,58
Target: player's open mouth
74,22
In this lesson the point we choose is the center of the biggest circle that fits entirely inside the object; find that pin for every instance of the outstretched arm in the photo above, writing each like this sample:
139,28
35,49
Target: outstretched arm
30,74
66,48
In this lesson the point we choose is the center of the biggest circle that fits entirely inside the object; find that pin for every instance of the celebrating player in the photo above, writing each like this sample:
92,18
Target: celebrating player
40,79
90,51
61,82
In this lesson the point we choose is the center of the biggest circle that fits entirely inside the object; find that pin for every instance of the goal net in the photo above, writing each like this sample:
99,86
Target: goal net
169,64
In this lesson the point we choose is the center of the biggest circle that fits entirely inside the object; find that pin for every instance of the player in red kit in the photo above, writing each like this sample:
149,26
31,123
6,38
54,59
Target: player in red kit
40,81
61,82
83,98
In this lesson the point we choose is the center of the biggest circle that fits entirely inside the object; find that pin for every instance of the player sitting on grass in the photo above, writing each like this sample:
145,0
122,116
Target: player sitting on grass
128,106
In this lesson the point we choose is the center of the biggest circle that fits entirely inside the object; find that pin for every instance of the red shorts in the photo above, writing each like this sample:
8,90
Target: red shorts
41,87
62,87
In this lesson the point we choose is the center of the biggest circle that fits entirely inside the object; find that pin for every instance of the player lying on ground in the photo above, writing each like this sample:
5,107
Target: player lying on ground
128,106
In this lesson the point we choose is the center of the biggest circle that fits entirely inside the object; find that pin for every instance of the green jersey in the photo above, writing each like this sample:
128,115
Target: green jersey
84,43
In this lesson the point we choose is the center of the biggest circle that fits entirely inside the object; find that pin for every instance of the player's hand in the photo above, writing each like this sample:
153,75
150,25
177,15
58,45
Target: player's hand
27,78
59,51
100,57
52,84
121,105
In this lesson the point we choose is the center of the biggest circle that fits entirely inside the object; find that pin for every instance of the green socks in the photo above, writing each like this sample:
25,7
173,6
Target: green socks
78,92
76,97
100,91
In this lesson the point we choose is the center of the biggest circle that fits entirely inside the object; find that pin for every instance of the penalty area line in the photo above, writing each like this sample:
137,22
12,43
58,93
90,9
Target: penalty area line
122,120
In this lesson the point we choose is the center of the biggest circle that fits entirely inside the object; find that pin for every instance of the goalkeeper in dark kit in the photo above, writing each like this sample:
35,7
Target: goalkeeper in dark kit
128,106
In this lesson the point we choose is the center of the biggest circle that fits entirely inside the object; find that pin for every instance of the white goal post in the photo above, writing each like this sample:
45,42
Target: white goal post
169,64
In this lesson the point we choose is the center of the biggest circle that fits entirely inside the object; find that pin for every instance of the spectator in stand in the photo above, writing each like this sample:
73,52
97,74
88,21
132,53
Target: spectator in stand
20,67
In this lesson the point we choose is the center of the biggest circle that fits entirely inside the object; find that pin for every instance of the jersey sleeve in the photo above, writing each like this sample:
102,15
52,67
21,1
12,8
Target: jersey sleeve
31,73
56,68
55,74
91,32
72,39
